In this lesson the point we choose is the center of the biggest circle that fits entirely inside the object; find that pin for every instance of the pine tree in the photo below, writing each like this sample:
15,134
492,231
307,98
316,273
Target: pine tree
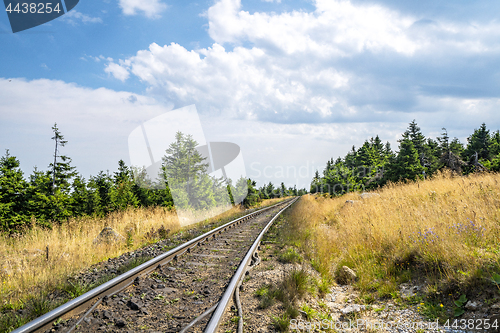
269,190
182,162
104,187
79,197
444,142
252,197
456,147
479,142
185,171
350,158
407,163
432,156
43,204
61,172
417,138
12,193
283,190
123,195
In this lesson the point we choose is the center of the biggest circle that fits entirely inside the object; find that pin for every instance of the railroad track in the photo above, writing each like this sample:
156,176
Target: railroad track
186,289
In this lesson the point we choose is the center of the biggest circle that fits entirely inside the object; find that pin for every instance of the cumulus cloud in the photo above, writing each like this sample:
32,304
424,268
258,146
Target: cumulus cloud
117,71
243,82
335,28
342,62
150,8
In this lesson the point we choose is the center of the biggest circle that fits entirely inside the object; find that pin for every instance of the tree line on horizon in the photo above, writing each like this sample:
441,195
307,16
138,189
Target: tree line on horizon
60,192
375,163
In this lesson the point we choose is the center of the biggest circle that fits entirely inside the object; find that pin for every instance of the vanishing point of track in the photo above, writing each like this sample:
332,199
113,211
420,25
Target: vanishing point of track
186,289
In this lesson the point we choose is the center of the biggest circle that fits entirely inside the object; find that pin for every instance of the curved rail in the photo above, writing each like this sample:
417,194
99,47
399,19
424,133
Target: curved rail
214,322
83,302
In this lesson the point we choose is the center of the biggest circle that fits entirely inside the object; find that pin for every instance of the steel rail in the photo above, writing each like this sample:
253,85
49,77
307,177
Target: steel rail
216,318
83,302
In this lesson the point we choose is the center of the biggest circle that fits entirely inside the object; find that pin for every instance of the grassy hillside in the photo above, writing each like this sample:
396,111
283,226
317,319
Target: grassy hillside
442,233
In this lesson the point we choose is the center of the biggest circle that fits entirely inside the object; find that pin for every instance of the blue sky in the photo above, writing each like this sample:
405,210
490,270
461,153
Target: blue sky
292,82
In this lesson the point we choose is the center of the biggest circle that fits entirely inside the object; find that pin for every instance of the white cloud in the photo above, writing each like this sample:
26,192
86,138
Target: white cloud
150,8
116,70
73,17
299,66
335,28
96,122
243,82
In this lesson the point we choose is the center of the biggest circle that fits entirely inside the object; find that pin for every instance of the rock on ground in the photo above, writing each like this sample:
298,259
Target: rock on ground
108,235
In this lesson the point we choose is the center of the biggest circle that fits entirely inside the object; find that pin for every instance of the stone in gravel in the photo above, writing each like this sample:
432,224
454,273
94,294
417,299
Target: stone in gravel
137,280
171,268
206,292
120,323
107,315
134,304
346,275
471,305
407,291
167,290
352,308
160,286
177,317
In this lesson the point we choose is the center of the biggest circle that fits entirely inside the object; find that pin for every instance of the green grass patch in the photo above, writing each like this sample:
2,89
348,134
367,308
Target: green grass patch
290,256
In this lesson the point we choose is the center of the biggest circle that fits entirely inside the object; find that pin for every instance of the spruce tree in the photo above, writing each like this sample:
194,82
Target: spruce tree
479,142
104,188
407,163
252,197
182,162
42,203
12,193
61,171
185,171
456,147
417,138
444,142
79,197
123,195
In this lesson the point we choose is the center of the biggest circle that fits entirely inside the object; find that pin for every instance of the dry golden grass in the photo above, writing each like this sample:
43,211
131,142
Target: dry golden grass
71,249
444,230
